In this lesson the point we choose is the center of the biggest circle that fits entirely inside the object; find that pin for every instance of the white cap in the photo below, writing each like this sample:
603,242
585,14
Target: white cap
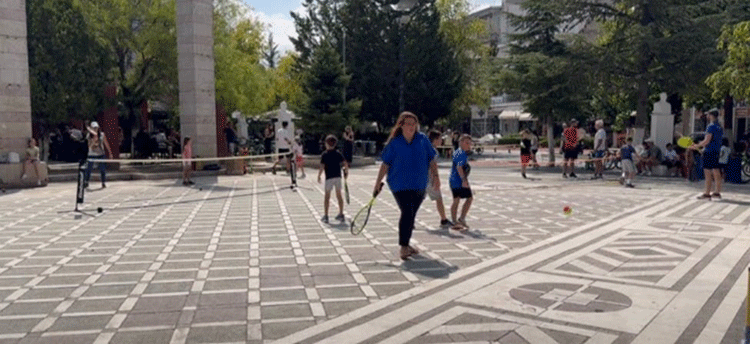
94,124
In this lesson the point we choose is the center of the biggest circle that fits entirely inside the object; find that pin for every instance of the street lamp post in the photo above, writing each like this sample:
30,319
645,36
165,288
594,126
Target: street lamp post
403,6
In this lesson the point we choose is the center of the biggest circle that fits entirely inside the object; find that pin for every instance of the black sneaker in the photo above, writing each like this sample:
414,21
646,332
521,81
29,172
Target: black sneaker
630,185
523,175
446,223
339,217
565,175
573,175
704,196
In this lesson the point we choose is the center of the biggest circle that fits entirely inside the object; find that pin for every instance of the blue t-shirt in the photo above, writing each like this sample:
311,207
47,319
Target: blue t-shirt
408,163
716,135
460,159
626,152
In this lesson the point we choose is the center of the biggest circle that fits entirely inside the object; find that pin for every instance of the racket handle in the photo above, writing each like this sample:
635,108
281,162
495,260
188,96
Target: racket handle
380,187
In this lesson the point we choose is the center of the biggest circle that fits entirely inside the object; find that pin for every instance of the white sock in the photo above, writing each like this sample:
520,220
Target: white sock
627,181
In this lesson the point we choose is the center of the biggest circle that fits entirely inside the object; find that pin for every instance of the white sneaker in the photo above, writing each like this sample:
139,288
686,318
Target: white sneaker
39,182
24,176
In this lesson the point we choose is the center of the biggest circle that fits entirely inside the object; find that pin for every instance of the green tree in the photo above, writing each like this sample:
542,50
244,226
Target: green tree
323,83
68,68
374,36
241,82
465,36
286,85
140,40
652,46
271,52
544,68
733,77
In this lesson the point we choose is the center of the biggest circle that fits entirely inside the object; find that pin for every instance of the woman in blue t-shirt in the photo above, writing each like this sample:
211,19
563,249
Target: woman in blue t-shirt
407,160
712,145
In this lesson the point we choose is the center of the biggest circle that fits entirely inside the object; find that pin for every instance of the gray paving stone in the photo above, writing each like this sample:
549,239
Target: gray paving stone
139,337
151,319
284,311
230,284
159,304
217,334
278,330
222,299
220,314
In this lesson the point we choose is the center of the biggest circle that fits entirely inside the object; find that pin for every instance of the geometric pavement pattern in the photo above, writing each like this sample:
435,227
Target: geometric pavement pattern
248,260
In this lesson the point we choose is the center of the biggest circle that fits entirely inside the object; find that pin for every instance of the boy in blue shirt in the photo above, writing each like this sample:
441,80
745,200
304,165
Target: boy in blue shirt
627,154
459,182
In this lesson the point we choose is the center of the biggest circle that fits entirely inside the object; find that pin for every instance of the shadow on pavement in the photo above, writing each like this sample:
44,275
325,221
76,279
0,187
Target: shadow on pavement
427,267
731,201
454,234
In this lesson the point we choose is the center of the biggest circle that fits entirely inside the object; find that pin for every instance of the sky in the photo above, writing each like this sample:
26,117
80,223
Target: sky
275,13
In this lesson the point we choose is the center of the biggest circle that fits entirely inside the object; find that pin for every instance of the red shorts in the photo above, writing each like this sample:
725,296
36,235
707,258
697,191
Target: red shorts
525,158
299,161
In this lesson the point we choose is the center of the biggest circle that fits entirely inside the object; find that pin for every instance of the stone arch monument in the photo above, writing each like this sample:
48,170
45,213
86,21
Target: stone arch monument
195,65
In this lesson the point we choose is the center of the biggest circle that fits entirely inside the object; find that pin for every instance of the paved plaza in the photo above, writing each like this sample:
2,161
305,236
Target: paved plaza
245,259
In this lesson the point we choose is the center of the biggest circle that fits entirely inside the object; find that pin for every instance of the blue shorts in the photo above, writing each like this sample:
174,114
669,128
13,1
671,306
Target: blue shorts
711,160
600,154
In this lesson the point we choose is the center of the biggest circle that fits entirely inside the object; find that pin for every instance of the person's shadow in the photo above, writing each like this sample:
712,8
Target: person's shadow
421,265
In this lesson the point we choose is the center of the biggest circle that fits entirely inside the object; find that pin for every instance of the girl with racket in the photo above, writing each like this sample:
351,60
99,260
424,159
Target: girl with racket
407,160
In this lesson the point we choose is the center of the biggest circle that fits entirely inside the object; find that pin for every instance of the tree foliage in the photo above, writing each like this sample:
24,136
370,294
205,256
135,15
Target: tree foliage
324,82
141,42
465,36
544,67
271,52
241,82
733,77
373,34
652,46
286,85
68,68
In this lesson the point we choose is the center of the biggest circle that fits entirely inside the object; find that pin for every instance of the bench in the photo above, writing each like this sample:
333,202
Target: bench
10,174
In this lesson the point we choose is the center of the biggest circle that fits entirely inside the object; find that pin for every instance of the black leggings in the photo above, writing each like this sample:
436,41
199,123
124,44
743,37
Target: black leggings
409,202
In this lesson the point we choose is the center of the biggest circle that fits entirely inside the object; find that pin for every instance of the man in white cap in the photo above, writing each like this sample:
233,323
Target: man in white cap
97,144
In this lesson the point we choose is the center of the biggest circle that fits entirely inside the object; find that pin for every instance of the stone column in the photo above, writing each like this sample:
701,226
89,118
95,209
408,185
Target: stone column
15,101
196,74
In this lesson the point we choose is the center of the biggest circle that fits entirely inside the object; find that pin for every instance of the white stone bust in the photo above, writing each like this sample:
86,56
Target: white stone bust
662,107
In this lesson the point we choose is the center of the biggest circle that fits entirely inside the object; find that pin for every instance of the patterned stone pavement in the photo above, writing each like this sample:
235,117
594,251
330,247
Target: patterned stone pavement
246,260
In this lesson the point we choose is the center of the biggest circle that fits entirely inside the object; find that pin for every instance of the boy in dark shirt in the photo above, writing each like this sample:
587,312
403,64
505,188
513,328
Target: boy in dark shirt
331,161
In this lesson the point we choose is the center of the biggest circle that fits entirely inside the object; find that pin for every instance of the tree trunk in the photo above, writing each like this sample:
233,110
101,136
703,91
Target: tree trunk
550,142
641,116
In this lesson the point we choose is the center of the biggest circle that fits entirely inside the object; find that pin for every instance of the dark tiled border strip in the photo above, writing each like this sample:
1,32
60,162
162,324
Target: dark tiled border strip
421,295
694,329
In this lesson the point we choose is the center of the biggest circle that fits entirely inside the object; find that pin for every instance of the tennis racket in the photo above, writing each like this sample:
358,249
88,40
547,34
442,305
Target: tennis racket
346,191
360,220
685,142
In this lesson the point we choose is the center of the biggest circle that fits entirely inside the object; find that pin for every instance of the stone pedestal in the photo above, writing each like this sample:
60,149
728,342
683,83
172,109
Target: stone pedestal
662,123
15,101
196,75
